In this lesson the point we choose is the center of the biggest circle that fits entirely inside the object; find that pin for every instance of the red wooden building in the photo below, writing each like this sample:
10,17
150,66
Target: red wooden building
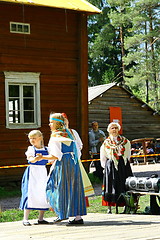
43,68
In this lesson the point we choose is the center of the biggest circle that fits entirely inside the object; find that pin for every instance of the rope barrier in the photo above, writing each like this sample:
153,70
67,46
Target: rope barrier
147,155
88,160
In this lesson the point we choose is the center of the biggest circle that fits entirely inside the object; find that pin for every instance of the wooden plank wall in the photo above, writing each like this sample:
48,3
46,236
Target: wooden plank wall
138,122
52,49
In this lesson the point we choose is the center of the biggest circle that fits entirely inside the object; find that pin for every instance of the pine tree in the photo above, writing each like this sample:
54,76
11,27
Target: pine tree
143,51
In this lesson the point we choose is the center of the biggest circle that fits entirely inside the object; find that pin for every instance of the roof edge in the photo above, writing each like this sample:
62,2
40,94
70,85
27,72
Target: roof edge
79,5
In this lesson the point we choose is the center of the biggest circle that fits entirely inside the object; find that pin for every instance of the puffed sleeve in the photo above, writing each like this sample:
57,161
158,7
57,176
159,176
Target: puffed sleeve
78,142
103,157
30,152
55,148
78,139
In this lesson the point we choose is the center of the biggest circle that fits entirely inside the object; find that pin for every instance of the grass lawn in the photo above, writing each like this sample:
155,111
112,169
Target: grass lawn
95,205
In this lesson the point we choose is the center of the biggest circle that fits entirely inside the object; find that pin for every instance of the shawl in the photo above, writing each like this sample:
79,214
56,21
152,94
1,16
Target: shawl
61,133
117,148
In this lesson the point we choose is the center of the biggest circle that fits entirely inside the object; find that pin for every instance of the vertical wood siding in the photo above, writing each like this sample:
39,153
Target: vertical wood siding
53,49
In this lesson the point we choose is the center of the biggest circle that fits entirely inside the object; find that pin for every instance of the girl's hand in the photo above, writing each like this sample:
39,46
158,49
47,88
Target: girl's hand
39,157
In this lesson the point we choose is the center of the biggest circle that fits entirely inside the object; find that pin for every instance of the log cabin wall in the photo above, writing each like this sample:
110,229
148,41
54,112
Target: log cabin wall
138,122
52,49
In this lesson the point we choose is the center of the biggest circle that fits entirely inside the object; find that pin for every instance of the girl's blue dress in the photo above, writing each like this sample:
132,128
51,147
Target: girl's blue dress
33,186
65,192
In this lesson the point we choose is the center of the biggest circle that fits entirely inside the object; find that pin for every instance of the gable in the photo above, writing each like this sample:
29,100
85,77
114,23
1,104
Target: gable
96,91
138,119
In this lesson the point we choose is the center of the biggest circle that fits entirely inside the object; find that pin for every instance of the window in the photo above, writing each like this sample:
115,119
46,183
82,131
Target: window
22,100
19,28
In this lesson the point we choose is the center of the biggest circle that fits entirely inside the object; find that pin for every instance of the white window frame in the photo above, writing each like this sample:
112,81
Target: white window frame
22,24
23,78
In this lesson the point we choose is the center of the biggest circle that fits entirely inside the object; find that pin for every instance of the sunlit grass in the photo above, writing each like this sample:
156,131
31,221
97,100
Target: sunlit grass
95,203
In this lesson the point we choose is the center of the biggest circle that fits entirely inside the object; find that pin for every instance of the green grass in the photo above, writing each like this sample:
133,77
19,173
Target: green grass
6,192
17,215
94,179
95,204
95,207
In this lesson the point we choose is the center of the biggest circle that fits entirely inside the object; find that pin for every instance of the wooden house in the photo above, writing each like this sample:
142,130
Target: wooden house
110,102
43,68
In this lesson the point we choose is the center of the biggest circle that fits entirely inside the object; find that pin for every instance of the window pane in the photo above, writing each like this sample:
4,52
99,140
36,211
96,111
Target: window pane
20,29
13,104
13,27
26,28
14,117
28,104
28,117
13,91
28,91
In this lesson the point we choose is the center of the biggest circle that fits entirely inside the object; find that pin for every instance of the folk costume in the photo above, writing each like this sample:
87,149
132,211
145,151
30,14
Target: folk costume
65,192
88,188
34,182
114,156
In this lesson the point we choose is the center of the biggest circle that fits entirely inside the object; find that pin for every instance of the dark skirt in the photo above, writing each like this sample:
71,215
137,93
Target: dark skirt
114,182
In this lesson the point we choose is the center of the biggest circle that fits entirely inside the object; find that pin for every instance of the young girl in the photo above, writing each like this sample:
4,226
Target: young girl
65,191
34,180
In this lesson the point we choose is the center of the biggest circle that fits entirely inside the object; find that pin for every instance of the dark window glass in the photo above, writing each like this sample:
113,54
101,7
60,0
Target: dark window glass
13,91
26,28
28,91
28,117
13,27
20,28
28,104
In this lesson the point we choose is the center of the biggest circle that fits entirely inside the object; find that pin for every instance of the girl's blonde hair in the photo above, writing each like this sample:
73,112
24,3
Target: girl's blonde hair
36,133
58,116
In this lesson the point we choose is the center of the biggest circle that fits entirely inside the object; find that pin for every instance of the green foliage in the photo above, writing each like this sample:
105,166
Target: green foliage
104,52
124,46
9,192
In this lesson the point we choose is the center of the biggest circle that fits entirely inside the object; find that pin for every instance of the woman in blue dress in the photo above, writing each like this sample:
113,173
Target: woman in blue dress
34,180
65,192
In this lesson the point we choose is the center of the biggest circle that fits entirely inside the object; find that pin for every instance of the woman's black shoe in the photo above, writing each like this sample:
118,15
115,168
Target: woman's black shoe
76,222
43,222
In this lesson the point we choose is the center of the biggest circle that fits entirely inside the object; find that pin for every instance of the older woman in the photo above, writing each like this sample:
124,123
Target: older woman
65,192
114,156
